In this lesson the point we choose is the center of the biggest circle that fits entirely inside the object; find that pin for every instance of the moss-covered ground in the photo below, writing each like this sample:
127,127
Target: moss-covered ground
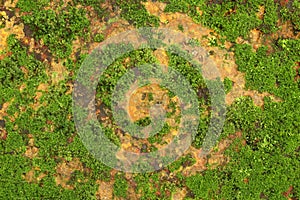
256,46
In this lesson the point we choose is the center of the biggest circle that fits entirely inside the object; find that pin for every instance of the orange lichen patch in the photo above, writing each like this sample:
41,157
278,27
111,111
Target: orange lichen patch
225,62
172,20
70,86
105,190
10,28
31,175
126,142
218,158
31,150
223,59
64,171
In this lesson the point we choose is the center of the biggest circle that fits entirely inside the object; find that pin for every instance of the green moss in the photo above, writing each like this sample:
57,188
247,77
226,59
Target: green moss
158,136
99,37
180,27
270,18
183,161
204,186
228,84
95,4
135,13
57,29
144,121
120,186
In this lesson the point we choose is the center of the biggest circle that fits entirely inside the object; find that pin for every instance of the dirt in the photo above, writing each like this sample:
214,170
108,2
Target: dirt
57,72
4,109
31,150
179,194
43,87
64,172
215,158
10,3
34,175
222,57
105,190
140,102
11,27
162,56
138,108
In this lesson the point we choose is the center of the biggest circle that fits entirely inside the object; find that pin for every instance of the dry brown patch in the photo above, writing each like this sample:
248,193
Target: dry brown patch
132,185
223,59
261,12
3,55
162,56
31,150
155,8
117,27
105,190
57,72
43,87
214,158
4,109
286,31
57,5
10,28
3,133
140,102
64,171
10,3
179,194
288,192
31,175
255,38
